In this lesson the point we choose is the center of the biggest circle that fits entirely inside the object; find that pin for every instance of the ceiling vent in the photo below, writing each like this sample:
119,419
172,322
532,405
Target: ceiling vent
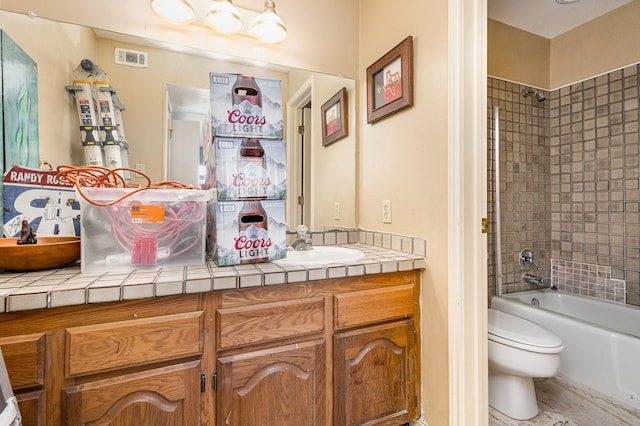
133,58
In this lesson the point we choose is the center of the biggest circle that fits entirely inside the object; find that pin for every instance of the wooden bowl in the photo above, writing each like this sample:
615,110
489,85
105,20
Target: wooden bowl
47,253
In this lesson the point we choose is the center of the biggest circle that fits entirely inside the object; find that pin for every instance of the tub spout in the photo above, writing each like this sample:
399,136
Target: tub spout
532,279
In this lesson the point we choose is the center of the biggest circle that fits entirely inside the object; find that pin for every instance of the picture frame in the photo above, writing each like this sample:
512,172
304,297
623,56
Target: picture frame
335,123
390,82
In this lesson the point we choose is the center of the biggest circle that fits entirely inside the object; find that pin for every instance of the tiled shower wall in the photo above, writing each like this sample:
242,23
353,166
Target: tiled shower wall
525,196
594,181
569,186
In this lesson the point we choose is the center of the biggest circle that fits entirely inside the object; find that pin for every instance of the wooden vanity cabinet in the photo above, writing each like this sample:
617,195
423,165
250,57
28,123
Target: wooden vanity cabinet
342,351
271,357
375,356
127,363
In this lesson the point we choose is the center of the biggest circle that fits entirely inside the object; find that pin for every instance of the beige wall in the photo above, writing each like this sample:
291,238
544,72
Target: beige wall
333,173
517,55
602,45
403,158
599,46
321,38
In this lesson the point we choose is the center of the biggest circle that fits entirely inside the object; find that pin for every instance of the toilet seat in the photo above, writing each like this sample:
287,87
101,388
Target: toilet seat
522,334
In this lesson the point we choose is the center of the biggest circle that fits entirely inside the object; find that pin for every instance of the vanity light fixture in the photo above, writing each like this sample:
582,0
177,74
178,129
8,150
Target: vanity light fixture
225,18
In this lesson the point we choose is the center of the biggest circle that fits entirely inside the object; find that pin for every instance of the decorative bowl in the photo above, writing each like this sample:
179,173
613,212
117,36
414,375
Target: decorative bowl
47,253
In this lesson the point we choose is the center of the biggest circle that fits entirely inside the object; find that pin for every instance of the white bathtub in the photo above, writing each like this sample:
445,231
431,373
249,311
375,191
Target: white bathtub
602,339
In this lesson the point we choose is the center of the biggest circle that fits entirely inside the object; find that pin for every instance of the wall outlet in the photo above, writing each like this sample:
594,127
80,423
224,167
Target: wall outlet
336,210
386,211
140,167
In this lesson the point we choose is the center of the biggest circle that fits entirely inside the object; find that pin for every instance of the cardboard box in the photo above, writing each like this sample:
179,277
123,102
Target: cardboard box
245,106
239,177
148,229
247,232
35,195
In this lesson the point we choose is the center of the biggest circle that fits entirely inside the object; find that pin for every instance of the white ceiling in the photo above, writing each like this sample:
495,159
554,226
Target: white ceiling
547,18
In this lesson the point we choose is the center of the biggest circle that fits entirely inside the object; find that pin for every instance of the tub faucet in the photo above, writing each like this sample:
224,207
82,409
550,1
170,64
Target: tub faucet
532,279
302,242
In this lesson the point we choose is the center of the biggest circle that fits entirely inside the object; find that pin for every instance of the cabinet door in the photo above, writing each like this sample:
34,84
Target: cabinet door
32,408
164,396
280,386
374,375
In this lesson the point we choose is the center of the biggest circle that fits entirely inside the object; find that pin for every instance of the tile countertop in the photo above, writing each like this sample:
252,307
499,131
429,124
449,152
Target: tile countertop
52,288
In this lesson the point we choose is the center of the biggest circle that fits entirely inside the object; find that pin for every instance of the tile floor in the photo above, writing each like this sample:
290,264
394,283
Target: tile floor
563,403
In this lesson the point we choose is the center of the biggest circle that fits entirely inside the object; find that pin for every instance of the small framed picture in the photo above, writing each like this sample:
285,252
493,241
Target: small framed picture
390,82
335,124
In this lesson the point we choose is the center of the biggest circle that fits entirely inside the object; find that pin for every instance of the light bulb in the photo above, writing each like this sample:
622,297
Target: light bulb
176,11
224,17
268,27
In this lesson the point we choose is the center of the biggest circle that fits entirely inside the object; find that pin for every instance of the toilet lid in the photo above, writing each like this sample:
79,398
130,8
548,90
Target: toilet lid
504,326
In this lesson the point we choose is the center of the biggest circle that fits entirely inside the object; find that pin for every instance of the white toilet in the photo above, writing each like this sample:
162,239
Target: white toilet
519,350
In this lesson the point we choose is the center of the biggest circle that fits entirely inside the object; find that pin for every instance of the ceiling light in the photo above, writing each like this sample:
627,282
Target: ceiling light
224,17
176,11
268,27
567,1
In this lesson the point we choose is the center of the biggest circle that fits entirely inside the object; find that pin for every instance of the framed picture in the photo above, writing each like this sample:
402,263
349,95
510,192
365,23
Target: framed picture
390,82
334,118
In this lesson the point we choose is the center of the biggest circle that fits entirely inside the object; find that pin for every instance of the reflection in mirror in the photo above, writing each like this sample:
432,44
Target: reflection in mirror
168,93
188,113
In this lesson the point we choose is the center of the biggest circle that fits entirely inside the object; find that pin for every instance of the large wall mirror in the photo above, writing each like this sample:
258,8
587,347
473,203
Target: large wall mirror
168,97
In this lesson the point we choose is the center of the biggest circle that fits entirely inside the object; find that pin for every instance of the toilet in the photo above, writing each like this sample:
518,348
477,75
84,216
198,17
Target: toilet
519,350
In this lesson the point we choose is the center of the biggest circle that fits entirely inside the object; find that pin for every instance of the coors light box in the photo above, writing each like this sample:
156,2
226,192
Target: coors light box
247,232
245,106
242,168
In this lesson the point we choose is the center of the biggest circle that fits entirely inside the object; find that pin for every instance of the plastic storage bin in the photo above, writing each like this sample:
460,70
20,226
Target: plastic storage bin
148,229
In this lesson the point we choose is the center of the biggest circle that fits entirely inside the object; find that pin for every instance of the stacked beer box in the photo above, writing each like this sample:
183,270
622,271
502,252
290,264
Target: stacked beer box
246,163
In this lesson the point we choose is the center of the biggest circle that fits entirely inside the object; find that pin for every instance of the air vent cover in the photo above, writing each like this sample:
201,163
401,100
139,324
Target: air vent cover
130,57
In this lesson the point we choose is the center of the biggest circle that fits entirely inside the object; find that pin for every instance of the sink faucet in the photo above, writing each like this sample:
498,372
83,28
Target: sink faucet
302,242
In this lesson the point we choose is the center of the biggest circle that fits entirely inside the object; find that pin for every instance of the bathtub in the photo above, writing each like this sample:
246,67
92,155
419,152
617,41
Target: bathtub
602,339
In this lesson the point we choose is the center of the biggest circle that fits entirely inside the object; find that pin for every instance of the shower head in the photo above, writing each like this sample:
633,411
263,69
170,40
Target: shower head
528,92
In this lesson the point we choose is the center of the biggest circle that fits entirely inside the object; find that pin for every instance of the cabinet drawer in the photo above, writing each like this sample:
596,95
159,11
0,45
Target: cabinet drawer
371,306
24,357
115,345
246,325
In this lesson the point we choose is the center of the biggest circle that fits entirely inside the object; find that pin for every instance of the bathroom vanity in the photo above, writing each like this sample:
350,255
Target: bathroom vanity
343,350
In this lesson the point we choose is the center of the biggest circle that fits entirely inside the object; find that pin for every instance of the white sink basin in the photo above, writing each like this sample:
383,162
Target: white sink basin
321,255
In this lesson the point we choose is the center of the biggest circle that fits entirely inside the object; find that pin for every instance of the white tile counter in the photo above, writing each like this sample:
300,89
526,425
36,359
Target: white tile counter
69,286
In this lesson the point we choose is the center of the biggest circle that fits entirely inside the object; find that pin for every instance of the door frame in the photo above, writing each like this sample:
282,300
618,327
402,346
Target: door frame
467,253
296,103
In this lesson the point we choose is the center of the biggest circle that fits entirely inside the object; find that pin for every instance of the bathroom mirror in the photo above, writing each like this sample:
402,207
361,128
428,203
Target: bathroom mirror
172,87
